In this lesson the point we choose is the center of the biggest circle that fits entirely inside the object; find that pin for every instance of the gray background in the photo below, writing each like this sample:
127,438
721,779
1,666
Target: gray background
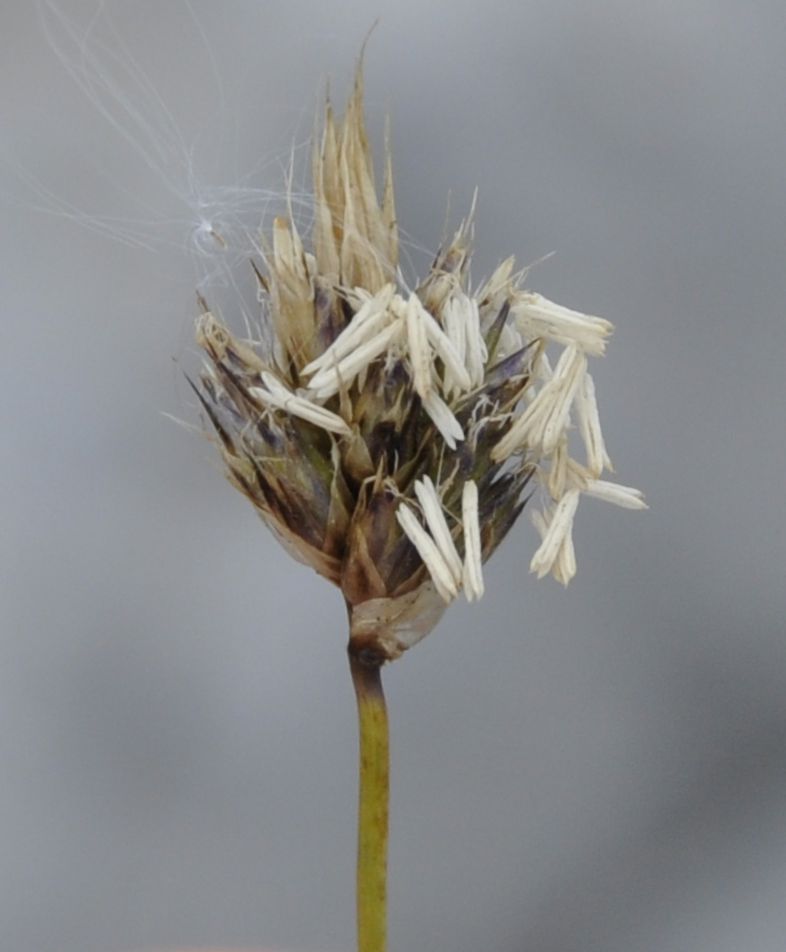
597,770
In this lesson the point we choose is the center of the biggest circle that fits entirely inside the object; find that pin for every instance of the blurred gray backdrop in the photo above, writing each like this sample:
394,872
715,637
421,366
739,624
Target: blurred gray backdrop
601,769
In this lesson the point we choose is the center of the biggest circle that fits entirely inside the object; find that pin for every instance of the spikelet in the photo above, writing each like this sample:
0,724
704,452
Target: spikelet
387,437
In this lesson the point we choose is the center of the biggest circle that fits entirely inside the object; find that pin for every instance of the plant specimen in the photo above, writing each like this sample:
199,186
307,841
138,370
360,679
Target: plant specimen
390,437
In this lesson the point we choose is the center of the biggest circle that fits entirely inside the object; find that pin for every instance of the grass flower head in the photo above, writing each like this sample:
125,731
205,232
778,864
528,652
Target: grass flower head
389,437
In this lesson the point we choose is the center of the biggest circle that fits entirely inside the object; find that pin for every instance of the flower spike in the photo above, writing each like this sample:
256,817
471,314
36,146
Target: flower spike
386,435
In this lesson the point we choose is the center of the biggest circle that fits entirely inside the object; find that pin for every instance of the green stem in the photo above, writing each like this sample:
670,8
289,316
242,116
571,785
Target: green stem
372,803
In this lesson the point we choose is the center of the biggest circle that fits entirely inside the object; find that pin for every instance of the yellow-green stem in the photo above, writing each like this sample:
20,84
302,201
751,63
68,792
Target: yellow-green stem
372,803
